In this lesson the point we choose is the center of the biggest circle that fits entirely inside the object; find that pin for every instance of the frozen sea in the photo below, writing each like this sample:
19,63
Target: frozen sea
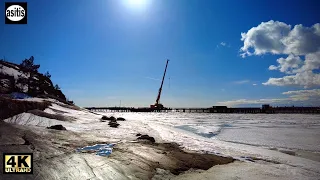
282,131
278,145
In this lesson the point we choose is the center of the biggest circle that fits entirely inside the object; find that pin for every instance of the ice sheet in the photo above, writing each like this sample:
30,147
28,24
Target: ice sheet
242,136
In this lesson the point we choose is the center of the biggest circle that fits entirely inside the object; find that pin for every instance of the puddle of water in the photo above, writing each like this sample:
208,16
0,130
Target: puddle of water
99,149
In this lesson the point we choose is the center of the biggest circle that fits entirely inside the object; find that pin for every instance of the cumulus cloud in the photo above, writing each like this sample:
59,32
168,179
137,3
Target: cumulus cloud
310,97
278,38
301,44
223,44
302,40
302,95
273,67
305,79
303,71
287,65
312,62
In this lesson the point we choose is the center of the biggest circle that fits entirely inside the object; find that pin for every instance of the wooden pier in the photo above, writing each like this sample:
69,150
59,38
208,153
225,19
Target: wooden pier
214,109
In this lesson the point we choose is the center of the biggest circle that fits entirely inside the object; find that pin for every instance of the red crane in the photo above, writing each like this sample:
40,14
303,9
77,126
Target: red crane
158,105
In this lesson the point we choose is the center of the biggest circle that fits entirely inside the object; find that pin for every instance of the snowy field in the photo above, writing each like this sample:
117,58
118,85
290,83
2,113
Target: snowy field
285,145
292,140
283,131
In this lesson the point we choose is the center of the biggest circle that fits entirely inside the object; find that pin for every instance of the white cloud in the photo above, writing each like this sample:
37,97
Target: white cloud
286,65
305,79
273,67
302,40
303,71
278,38
242,82
224,44
254,84
265,38
310,97
301,44
312,62
302,95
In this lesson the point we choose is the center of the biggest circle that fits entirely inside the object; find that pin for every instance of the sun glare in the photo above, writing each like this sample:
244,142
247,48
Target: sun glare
137,4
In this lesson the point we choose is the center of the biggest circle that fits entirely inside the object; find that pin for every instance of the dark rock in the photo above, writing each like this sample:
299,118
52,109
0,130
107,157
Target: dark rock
121,119
113,121
104,118
138,134
146,137
57,127
38,84
6,84
113,124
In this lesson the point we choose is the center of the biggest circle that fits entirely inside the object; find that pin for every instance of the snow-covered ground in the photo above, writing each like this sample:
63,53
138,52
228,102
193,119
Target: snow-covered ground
12,72
242,136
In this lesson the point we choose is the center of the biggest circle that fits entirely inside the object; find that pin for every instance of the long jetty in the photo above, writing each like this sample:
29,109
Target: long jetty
214,109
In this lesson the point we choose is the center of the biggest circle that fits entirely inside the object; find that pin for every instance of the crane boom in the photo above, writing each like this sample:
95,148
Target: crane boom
160,89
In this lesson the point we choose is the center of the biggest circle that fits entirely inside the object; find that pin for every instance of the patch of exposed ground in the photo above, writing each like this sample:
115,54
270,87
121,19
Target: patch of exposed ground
10,107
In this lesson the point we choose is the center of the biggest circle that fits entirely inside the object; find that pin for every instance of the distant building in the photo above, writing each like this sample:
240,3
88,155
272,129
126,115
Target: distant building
293,109
219,109
266,108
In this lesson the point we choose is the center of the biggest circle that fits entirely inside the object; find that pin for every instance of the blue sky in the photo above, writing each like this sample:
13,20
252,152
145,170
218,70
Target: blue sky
104,51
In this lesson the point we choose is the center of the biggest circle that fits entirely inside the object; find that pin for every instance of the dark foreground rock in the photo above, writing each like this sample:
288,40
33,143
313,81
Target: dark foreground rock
104,118
121,119
57,127
146,137
113,124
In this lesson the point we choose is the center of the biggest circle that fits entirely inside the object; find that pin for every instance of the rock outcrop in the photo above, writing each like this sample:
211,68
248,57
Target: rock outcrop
17,78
